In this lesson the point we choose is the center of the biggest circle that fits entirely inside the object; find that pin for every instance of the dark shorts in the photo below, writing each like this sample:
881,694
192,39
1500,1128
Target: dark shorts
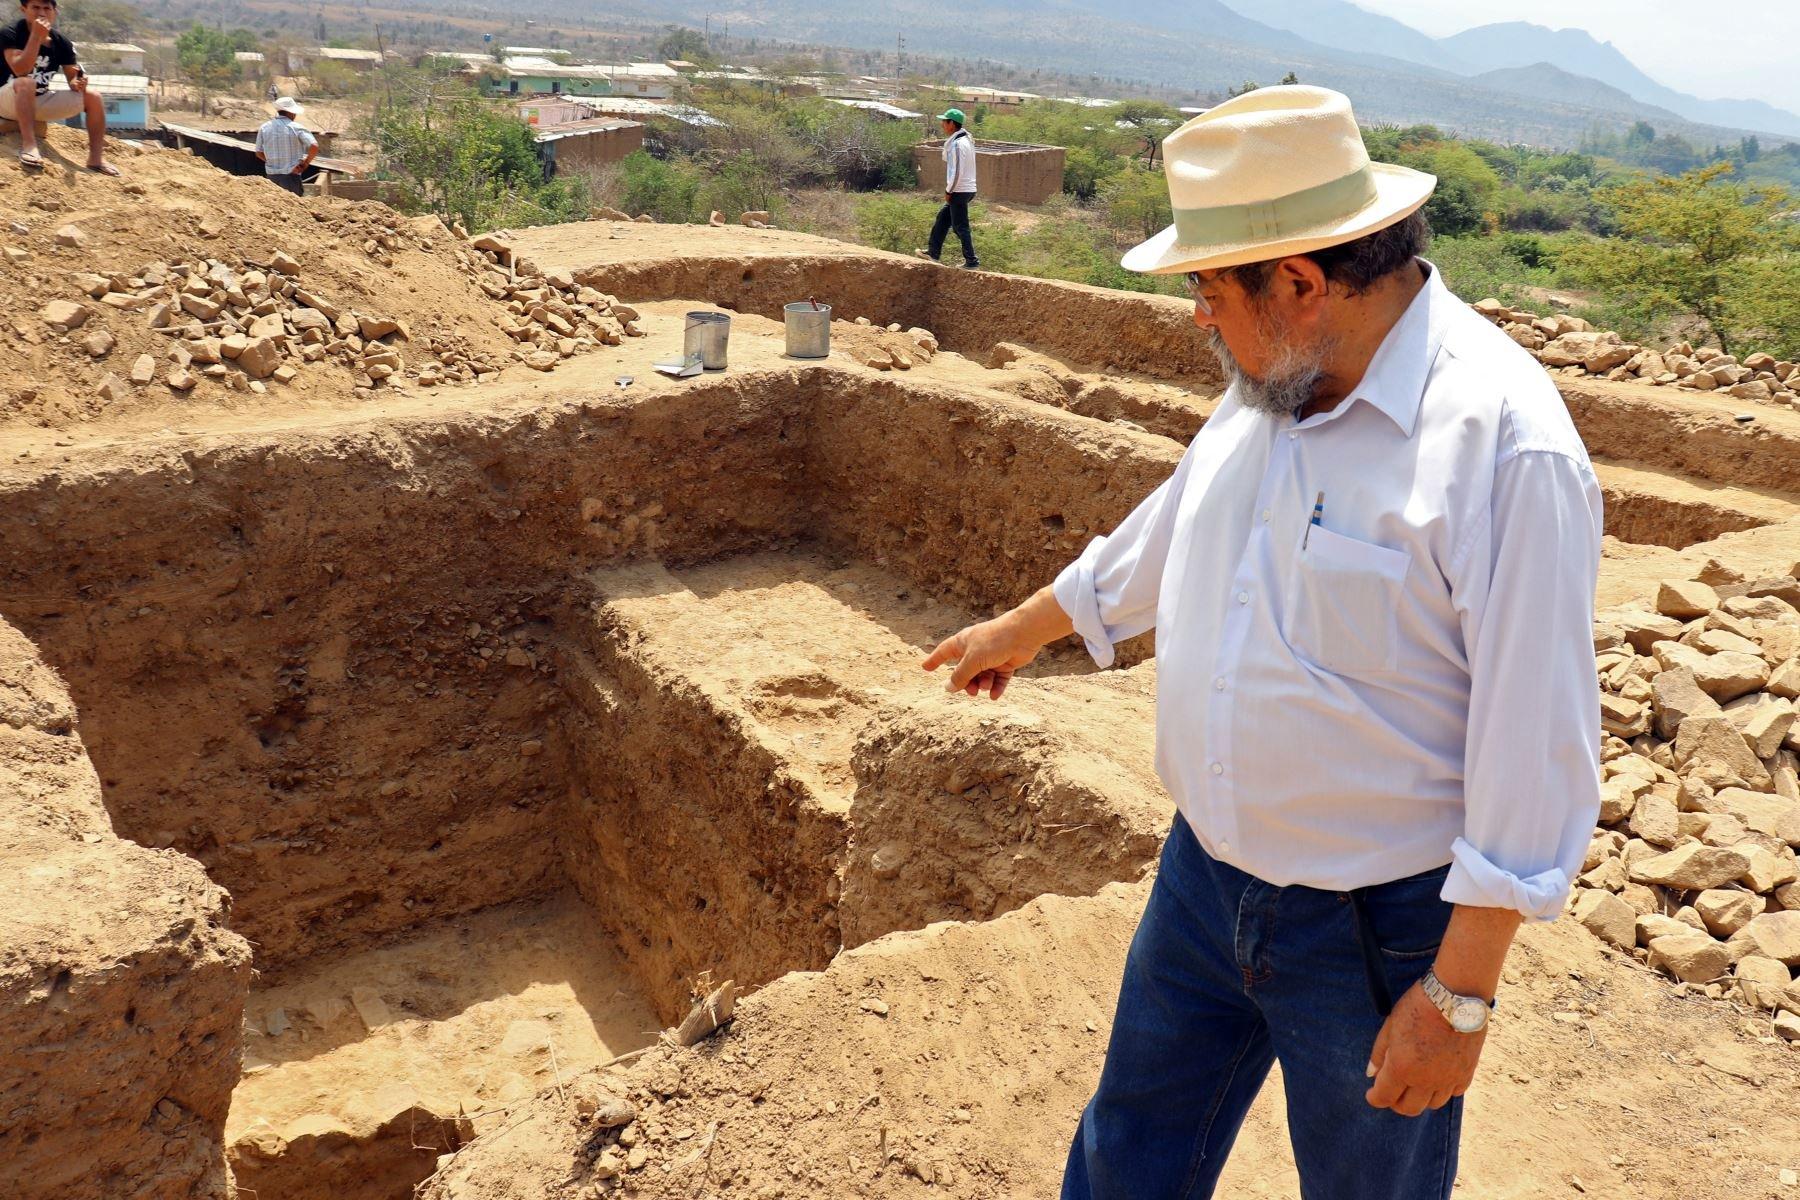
290,183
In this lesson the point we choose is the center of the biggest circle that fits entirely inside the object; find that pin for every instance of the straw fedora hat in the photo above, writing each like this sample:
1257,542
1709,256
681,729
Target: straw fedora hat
1274,172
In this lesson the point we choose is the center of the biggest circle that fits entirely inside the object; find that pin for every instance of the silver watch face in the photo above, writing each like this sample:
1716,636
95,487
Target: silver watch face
1468,1015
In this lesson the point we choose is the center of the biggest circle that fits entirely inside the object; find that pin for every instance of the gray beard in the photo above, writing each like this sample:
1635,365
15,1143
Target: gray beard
1289,383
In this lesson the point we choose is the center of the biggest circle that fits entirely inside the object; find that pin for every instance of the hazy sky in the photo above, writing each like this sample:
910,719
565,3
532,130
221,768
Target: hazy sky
1736,48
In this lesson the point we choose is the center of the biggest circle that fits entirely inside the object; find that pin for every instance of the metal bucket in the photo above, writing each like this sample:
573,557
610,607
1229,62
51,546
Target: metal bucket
706,334
808,329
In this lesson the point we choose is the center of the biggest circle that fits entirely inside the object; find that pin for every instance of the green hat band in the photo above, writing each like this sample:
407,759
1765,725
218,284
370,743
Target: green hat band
1266,220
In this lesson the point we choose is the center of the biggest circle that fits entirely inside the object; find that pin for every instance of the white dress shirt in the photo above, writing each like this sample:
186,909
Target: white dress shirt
1409,682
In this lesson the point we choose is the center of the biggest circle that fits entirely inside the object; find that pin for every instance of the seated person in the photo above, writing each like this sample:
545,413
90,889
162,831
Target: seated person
33,49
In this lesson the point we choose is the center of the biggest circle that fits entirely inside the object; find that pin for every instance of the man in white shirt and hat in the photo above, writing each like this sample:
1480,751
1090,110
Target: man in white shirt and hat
1371,579
286,149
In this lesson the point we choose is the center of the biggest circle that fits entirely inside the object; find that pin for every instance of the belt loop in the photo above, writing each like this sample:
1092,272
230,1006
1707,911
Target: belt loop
1371,952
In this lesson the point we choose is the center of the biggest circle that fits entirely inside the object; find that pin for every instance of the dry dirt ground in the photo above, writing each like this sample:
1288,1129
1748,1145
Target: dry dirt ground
498,721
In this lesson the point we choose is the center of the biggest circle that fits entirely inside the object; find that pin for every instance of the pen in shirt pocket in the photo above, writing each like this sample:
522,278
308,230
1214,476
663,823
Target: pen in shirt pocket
1318,517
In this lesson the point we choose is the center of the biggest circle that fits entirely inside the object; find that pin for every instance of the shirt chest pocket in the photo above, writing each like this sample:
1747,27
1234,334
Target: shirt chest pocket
1342,612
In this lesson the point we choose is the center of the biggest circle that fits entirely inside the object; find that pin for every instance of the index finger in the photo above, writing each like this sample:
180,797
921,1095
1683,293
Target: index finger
948,650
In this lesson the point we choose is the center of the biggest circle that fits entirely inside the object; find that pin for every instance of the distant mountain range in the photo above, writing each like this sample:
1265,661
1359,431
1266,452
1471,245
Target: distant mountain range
1510,81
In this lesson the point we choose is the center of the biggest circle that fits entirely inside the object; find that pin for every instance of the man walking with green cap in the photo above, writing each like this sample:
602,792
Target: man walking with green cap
959,190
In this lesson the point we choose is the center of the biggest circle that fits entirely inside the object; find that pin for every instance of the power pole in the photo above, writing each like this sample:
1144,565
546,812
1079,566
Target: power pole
899,60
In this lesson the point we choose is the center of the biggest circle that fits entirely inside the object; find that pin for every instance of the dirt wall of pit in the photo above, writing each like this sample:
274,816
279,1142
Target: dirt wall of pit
969,312
121,987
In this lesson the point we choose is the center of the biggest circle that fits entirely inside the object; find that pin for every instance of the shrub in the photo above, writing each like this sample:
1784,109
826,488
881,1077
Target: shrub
666,189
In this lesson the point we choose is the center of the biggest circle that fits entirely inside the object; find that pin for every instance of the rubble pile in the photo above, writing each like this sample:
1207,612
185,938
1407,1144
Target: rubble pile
238,323
549,314
1693,869
885,348
1571,346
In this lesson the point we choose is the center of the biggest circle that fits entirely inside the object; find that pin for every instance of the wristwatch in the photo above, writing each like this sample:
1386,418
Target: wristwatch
1466,1014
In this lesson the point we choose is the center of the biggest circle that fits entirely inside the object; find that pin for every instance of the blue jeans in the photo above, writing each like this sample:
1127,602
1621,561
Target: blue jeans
1228,974
954,215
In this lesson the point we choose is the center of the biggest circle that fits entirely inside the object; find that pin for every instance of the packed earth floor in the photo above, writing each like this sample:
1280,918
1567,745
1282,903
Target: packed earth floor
388,758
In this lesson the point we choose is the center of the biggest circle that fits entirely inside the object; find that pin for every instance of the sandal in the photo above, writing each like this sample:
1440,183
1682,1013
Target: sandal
104,168
31,160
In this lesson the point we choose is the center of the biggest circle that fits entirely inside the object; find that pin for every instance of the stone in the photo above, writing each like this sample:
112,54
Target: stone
599,1106
1690,957
1760,812
1607,917
1656,820
1593,352
180,379
111,388
270,326
259,357
542,360
376,327
199,306
283,263
1724,641
143,369
1722,676
99,343
1643,630
1653,925
1725,911
1711,749
64,314
1758,608
1769,869
1784,588
1685,599
1692,868
1784,680
70,235
1767,727
232,345
1622,717
1773,935
754,217
1787,1025
370,1007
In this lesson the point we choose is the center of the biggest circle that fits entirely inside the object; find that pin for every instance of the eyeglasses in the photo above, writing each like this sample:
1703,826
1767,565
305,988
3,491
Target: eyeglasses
1196,282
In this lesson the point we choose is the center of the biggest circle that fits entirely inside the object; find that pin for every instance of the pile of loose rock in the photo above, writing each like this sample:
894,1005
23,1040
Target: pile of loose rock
885,348
1571,346
550,315
237,324
1693,868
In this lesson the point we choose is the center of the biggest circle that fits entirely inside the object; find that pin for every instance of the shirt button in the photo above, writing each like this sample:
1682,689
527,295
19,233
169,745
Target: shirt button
1225,847
1218,768
1243,597
1266,515
1219,684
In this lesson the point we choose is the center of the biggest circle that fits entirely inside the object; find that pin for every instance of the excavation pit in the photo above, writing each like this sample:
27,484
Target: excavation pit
511,719
549,741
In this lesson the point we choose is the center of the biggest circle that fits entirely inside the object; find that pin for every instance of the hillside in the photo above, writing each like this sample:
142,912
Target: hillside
1519,44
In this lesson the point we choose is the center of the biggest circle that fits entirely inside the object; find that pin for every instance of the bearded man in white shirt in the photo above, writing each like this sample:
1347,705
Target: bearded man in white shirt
1371,580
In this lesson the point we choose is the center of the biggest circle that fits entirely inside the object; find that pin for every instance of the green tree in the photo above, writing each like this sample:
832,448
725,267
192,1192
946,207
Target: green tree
1137,201
459,155
689,45
208,58
99,20
1701,244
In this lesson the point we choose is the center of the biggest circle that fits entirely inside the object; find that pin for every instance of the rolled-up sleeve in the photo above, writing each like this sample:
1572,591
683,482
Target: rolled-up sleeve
1524,587
1110,591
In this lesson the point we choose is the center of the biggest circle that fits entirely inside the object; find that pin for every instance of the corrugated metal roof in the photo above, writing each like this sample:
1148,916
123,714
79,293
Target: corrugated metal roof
555,133
108,85
886,110
115,47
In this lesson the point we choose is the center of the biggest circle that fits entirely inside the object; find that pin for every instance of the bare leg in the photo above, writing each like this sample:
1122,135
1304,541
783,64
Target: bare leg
95,109
25,112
